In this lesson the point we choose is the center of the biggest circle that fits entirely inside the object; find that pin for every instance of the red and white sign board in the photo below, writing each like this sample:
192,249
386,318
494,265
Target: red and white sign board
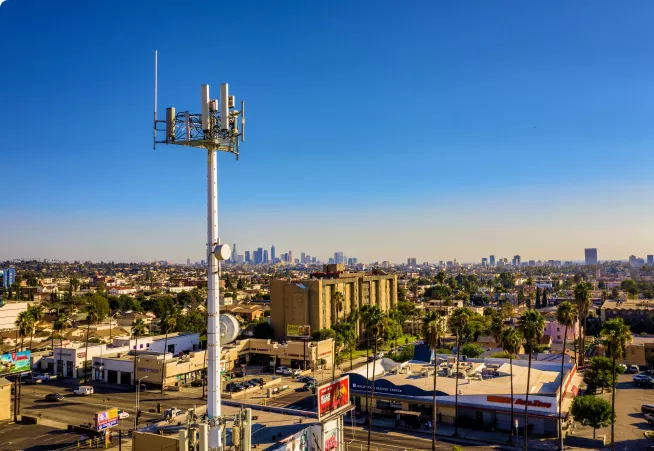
333,397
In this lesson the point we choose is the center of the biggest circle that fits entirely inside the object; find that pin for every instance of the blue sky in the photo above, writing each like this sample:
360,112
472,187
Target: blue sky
435,130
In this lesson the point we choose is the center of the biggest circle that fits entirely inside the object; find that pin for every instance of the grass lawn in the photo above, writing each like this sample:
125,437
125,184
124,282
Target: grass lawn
384,348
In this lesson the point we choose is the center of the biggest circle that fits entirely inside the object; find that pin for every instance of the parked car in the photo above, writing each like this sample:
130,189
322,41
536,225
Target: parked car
83,390
233,387
309,387
634,369
257,381
623,367
303,379
196,383
649,417
283,371
295,372
640,377
172,412
45,377
248,384
122,415
54,397
266,369
645,382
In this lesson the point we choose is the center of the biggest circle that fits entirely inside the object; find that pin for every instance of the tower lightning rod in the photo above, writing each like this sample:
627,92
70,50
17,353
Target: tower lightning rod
154,124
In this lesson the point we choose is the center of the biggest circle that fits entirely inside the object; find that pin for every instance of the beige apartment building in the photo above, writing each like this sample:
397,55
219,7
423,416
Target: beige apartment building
312,301
181,370
639,352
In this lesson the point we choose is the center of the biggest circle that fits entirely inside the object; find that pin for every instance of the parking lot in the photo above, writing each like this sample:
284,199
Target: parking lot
630,424
14,437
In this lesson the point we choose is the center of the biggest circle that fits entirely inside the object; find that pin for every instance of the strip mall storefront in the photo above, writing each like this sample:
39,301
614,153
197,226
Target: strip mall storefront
412,406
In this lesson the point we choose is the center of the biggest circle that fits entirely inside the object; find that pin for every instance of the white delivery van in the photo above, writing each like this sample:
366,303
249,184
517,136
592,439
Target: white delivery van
84,390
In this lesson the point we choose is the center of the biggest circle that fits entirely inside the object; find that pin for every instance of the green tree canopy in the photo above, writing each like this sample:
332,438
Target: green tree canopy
471,350
592,411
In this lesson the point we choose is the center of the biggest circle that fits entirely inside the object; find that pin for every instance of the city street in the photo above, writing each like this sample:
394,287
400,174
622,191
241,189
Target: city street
356,439
15,437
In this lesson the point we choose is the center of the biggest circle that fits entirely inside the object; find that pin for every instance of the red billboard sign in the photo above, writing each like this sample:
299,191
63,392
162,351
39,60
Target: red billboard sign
333,396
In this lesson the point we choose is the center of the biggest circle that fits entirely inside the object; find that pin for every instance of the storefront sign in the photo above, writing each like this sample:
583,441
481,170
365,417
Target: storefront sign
333,396
106,419
383,386
519,401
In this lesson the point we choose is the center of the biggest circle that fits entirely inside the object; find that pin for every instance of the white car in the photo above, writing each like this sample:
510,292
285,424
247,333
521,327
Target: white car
283,371
46,377
122,415
83,390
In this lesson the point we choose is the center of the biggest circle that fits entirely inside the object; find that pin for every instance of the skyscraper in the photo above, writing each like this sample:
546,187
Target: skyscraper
338,257
290,257
516,260
265,255
188,262
272,253
591,256
303,257
234,259
8,277
650,260
492,260
484,261
247,257
411,262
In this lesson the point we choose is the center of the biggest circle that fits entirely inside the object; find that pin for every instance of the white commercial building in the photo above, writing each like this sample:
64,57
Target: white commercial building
9,311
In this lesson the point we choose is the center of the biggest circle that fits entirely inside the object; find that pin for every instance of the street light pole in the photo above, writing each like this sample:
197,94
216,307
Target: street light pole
137,404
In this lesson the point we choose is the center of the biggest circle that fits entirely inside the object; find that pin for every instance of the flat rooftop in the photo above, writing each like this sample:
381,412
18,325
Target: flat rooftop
545,378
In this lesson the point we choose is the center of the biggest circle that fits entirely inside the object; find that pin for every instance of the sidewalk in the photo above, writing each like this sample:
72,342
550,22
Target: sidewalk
469,436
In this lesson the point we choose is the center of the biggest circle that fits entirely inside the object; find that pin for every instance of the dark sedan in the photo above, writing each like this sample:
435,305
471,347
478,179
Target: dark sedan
54,397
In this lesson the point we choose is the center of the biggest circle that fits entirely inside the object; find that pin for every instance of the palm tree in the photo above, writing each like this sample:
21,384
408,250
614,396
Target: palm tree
168,323
497,327
36,313
566,315
138,330
60,325
451,283
92,317
25,325
582,296
441,276
531,326
457,322
511,344
373,321
616,334
338,301
433,331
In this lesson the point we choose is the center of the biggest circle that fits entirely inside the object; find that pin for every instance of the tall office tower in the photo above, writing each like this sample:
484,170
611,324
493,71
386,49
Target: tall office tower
234,259
290,257
492,260
533,263
258,256
338,257
484,261
516,260
272,253
265,255
302,257
344,259
650,260
247,256
307,259
313,260
8,277
591,256
188,262
411,262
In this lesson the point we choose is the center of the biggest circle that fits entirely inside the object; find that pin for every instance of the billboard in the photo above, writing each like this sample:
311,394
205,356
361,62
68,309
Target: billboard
15,362
296,330
106,419
331,435
333,397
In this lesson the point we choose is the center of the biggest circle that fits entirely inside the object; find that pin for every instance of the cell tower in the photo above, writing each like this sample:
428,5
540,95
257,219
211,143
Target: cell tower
216,129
